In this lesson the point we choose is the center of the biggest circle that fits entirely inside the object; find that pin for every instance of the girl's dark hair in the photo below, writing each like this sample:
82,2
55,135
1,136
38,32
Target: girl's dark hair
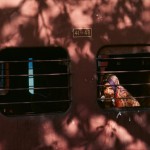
106,78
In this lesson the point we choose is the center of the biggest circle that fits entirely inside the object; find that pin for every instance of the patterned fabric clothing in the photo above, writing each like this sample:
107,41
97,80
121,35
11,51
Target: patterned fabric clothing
121,96
124,99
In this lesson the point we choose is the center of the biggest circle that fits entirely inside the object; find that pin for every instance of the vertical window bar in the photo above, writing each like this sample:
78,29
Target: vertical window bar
2,75
4,81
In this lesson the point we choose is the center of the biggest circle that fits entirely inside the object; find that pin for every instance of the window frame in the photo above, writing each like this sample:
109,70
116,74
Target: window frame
108,50
62,61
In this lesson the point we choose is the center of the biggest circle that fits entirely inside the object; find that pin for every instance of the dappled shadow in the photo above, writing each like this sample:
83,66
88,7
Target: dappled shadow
96,132
19,133
51,22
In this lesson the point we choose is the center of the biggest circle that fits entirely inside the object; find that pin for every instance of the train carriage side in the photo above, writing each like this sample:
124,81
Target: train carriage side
53,57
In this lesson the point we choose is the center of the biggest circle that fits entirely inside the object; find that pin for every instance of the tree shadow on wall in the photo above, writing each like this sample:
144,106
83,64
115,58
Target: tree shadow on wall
112,134
107,28
123,28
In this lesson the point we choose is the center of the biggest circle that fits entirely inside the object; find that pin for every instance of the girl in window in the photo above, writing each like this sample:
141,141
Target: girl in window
113,94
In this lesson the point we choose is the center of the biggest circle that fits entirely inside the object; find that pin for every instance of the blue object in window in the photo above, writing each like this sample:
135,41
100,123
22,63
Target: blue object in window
30,76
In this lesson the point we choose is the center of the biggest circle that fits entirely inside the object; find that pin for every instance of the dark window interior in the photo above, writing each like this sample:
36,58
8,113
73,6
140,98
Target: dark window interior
131,65
37,80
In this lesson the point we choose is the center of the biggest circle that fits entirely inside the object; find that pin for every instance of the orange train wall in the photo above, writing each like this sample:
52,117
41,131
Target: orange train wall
31,23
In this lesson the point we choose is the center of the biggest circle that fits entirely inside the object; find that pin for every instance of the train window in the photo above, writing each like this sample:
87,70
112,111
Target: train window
123,76
34,80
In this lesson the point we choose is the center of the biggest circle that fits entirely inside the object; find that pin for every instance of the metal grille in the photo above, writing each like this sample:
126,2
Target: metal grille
131,64
34,80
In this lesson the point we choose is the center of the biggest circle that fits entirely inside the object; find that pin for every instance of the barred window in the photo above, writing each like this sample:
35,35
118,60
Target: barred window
34,80
124,72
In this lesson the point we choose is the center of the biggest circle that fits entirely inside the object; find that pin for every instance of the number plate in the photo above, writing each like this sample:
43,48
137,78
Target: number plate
84,32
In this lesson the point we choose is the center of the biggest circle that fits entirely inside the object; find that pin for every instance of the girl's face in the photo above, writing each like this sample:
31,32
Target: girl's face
108,91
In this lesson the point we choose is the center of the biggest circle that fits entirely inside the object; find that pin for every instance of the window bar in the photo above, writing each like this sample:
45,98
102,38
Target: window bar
4,82
2,73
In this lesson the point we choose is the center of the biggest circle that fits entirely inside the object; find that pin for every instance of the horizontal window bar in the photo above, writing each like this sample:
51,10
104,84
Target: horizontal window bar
139,97
32,102
37,88
16,61
121,58
132,84
27,75
123,71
